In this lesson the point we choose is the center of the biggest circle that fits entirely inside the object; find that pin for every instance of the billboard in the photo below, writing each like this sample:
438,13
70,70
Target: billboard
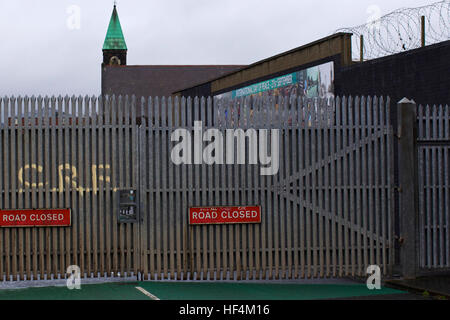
313,82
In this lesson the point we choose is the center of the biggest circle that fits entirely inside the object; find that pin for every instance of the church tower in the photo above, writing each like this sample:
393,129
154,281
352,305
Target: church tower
114,47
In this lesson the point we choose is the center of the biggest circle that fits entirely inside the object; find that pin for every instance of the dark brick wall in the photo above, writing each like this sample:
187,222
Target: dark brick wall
203,90
422,74
155,80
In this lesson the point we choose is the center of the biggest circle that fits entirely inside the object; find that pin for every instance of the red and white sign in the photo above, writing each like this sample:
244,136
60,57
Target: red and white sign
35,218
223,215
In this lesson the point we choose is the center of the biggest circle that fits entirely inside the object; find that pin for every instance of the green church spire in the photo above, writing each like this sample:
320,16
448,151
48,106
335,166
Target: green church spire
114,37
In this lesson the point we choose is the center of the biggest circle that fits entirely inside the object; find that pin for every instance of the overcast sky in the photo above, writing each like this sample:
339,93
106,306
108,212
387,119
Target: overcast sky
43,50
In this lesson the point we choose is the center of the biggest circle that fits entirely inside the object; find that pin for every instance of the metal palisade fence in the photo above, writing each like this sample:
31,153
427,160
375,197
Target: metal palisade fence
327,206
434,186
68,153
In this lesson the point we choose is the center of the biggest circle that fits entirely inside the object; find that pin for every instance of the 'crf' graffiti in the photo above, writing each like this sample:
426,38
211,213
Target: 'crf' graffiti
33,176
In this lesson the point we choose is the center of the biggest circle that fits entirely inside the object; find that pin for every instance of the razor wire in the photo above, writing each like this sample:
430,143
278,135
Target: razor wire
400,30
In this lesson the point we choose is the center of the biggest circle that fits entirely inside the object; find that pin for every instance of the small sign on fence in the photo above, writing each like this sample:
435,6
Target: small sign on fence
35,218
224,215
128,206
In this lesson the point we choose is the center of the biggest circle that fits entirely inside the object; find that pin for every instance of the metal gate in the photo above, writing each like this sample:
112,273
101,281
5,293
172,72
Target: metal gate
327,212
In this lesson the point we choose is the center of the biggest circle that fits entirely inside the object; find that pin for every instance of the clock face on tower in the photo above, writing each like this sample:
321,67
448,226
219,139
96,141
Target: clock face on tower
114,61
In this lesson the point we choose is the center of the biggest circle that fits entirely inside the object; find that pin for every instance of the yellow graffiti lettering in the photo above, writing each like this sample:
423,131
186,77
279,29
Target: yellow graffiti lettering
100,176
27,183
94,178
67,179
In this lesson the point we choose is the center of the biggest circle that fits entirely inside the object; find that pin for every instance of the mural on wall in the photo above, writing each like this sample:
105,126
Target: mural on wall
313,82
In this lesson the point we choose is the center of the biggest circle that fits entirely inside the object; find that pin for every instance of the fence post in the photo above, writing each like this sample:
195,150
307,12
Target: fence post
407,179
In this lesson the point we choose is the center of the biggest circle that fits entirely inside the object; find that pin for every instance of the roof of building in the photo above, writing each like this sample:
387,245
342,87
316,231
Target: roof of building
158,80
114,36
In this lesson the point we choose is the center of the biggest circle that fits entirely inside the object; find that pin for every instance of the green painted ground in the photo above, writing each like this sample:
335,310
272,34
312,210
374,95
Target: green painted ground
196,291
250,291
